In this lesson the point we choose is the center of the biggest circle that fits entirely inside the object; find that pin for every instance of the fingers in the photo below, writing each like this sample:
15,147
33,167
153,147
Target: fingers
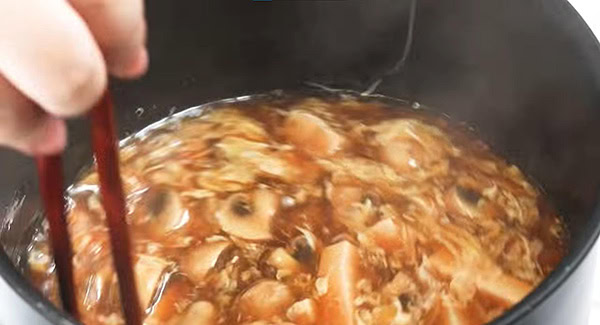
48,53
119,28
52,56
25,127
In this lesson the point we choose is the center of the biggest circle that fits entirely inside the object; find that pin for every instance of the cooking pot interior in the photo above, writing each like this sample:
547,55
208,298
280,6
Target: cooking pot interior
525,74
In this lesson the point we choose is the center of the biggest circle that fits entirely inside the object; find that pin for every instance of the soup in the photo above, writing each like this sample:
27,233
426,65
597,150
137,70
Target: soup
303,210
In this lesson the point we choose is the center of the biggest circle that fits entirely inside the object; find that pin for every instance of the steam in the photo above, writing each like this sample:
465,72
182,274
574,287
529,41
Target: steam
405,53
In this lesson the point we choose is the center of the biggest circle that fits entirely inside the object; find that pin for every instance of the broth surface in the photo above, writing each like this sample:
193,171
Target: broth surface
308,210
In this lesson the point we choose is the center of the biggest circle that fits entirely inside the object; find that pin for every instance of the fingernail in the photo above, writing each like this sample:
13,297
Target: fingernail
133,66
140,64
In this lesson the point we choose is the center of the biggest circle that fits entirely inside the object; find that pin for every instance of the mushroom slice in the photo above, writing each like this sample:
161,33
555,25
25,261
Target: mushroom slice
304,247
463,201
166,211
149,271
249,216
265,300
199,313
338,276
201,259
312,134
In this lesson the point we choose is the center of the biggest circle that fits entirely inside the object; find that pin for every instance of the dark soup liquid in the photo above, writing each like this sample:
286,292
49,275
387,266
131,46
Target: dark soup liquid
310,210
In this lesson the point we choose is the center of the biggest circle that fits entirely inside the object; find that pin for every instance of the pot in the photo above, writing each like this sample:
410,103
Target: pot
524,73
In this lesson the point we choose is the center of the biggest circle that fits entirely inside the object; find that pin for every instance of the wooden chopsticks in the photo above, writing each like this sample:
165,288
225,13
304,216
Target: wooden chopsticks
105,147
50,177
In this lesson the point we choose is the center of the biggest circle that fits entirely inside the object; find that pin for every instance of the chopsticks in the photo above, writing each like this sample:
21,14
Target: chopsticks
51,188
104,144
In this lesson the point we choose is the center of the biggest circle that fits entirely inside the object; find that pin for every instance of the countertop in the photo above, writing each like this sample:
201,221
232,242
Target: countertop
590,11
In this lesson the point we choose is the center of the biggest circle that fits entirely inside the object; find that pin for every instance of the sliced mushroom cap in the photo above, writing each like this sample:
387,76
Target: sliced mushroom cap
265,300
165,211
472,211
463,201
249,216
312,134
201,259
304,248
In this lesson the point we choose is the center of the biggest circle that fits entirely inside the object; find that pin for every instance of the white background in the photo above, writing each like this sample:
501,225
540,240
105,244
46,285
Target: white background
590,11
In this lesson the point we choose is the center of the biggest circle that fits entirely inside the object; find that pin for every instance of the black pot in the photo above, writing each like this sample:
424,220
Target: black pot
525,73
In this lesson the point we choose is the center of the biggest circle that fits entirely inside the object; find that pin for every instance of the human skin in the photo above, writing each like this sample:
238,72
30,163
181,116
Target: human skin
55,57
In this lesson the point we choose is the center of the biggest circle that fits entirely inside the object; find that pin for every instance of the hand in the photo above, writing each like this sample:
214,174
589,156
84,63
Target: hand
55,54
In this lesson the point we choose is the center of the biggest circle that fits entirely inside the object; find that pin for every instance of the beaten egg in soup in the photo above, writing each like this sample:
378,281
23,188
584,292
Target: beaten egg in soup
335,211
